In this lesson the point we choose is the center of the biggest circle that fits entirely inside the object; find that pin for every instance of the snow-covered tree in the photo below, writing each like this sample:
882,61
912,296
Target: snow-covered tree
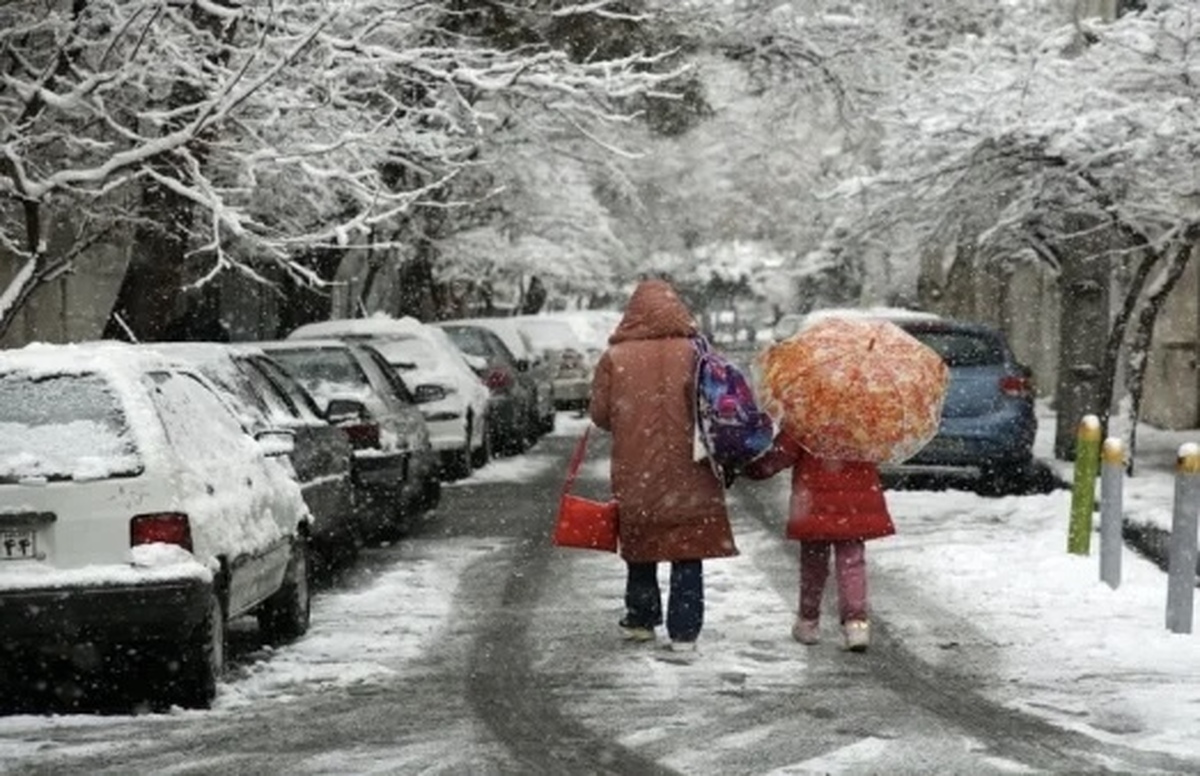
229,136
1055,144
794,88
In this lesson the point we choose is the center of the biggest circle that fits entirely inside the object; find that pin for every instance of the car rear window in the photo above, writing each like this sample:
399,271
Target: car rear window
325,365
469,340
65,427
551,335
963,348
408,354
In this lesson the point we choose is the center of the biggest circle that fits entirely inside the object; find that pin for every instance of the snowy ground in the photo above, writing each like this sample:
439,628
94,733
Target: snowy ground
1075,651
1070,649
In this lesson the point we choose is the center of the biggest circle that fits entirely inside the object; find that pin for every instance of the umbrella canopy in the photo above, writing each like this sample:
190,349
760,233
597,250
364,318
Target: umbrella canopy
855,389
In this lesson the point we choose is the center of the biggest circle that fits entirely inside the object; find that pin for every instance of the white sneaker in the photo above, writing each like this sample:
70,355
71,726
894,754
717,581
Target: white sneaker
806,631
636,632
857,634
682,646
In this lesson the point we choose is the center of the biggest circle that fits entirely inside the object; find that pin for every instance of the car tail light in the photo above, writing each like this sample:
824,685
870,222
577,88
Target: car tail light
161,527
361,435
1016,385
498,380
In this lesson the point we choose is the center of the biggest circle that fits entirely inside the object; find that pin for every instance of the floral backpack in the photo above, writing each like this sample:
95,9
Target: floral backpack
730,425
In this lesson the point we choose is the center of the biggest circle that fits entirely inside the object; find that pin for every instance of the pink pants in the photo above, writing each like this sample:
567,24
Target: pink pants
851,562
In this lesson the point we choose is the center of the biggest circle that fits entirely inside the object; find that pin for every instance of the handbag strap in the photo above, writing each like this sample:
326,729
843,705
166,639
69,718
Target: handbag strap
576,461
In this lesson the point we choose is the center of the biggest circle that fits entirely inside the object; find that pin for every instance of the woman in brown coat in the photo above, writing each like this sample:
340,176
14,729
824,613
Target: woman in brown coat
672,507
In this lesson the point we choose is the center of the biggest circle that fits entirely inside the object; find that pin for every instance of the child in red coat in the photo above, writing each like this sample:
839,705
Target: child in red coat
835,506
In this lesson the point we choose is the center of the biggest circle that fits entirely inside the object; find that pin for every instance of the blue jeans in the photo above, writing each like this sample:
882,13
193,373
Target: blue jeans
685,601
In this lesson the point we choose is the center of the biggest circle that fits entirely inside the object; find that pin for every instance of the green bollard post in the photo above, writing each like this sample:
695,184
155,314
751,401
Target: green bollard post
1083,494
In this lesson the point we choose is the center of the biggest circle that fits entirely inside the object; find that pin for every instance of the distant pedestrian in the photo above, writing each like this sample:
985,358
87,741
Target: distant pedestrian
835,507
672,507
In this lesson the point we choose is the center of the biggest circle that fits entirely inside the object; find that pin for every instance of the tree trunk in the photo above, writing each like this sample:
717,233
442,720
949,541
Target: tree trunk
149,297
146,302
1143,337
1083,323
1120,325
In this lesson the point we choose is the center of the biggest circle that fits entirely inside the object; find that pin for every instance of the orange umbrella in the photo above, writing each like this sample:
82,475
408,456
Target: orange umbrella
855,389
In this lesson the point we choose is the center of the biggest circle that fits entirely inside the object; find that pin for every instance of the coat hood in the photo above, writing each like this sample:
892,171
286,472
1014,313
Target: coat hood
654,311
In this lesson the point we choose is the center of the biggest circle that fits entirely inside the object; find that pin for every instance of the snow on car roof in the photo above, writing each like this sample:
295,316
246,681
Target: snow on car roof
889,313
377,325
303,344
108,358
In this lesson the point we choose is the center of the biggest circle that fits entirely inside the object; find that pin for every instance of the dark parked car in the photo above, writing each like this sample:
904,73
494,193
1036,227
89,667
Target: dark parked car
536,370
395,469
988,419
266,397
515,414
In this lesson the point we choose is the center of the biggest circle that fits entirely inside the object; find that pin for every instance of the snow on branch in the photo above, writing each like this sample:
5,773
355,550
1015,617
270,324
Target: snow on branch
285,125
1042,126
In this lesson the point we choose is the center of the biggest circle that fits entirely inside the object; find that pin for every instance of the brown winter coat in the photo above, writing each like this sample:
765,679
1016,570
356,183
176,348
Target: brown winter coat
671,507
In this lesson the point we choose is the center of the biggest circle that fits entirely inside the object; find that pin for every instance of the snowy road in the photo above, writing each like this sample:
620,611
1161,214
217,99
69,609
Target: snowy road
475,647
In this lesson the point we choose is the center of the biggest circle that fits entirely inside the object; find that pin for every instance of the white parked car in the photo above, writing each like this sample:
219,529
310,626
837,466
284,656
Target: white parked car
137,516
449,393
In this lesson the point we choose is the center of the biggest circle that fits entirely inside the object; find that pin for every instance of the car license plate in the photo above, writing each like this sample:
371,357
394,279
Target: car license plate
18,544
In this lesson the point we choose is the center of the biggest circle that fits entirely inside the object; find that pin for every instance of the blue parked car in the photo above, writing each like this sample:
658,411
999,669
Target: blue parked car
988,420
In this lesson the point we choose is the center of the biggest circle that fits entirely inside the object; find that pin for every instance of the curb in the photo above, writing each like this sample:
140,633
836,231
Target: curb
1152,542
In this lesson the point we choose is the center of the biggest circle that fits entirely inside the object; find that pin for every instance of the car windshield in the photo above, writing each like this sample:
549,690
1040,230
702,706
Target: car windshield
63,427
963,348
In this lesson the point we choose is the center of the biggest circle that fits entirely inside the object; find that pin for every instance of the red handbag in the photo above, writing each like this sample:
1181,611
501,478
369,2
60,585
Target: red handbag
583,523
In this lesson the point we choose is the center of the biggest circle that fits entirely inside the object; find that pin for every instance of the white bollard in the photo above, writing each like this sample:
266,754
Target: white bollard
1112,510
1181,567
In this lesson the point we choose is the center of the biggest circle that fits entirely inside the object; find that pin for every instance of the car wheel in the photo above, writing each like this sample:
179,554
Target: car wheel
533,429
459,462
1003,478
431,493
511,438
202,661
285,615
483,454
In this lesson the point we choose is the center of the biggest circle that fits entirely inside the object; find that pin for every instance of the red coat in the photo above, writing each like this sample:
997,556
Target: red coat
831,500
671,507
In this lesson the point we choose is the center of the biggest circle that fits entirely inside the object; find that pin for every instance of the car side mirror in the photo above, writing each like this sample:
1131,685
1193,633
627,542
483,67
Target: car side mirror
345,411
276,441
423,394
